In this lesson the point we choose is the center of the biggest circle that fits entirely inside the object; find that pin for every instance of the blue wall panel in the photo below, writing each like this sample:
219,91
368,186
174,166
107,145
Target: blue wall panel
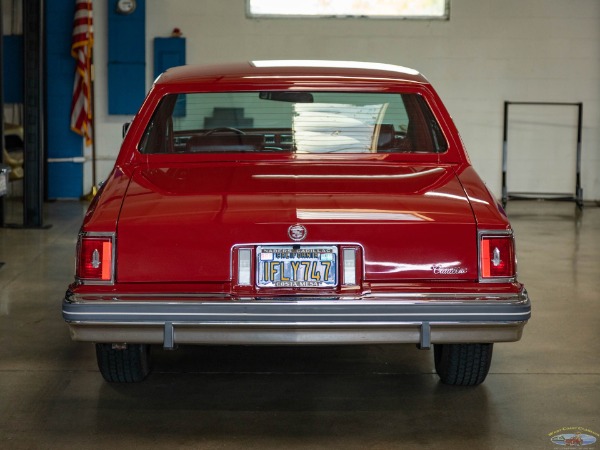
126,84
12,55
125,95
168,52
65,179
126,59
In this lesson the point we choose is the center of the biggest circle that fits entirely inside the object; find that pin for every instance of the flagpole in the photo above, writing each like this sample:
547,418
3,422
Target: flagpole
91,72
92,105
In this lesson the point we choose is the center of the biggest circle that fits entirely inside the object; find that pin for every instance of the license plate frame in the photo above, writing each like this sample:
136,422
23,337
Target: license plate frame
293,266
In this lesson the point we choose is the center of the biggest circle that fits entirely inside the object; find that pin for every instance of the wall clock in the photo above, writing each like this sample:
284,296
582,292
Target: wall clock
126,6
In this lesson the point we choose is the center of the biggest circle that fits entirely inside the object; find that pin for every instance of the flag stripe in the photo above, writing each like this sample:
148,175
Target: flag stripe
81,49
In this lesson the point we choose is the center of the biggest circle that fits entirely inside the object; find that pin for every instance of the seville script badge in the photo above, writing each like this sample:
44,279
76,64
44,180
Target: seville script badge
297,232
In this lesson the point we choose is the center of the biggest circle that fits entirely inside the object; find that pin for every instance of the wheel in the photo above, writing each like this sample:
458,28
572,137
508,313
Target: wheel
128,365
462,364
224,130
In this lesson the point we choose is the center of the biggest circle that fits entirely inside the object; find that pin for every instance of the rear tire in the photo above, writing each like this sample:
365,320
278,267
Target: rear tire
128,365
463,364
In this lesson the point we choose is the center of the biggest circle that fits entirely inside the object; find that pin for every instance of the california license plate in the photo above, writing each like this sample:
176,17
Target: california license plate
290,266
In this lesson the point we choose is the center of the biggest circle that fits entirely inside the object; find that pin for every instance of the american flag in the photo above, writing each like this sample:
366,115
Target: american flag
81,49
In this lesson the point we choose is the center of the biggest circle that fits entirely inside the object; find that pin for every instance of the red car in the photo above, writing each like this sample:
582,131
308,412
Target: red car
295,202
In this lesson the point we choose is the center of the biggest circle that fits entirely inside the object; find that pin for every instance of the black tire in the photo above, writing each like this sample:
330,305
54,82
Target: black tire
463,364
128,365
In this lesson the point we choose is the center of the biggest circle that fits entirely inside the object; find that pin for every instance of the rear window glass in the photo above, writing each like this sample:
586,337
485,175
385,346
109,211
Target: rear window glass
293,121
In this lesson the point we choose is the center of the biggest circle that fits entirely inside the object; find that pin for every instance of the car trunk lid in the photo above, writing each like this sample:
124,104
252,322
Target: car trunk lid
179,223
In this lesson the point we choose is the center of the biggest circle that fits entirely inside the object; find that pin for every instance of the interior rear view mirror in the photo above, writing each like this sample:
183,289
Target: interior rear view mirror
287,96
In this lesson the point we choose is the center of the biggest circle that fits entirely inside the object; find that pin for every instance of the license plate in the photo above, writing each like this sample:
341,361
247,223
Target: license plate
290,266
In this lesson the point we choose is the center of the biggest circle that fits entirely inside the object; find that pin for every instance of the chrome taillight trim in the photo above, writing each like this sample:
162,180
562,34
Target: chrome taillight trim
496,234
97,234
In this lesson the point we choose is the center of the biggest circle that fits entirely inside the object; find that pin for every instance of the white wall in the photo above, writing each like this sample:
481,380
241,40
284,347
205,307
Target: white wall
488,52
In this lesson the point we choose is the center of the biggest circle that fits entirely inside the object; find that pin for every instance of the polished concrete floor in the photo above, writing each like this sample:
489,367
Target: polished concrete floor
373,397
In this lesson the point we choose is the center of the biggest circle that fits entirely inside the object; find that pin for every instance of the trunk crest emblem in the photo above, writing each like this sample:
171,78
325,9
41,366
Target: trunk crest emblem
297,232
95,259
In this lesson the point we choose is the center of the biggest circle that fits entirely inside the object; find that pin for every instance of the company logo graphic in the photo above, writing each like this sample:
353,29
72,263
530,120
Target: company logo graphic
441,270
574,437
297,232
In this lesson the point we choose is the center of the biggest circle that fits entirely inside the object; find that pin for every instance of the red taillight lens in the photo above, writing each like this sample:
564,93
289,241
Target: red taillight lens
94,258
497,257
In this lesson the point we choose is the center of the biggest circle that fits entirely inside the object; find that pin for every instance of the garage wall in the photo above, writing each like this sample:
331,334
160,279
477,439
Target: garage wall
490,51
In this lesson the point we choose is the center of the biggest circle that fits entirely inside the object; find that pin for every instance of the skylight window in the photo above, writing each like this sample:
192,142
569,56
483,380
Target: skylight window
385,9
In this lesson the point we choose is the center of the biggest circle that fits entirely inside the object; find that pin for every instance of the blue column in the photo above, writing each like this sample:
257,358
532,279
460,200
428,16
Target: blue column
65,179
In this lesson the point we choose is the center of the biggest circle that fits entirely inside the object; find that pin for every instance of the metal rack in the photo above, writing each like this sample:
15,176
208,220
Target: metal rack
578,195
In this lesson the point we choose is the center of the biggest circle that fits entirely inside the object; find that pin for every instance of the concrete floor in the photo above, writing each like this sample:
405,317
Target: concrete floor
376,397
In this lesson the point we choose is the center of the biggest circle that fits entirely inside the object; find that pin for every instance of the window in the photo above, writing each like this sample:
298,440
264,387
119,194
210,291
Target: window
293,121
397,9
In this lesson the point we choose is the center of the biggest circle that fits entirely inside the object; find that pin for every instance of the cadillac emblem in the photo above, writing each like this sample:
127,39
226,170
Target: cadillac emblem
297,232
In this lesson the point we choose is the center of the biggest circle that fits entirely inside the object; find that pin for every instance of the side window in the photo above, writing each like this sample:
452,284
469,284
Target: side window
439,141
158,137
423,133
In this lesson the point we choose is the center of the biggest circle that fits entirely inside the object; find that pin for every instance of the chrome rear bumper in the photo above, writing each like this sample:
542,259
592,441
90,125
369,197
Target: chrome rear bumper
418,319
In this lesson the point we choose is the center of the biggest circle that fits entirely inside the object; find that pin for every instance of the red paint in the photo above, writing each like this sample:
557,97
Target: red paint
179,218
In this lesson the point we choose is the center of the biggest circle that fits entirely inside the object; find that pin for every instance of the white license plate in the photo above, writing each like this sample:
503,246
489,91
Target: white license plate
312,266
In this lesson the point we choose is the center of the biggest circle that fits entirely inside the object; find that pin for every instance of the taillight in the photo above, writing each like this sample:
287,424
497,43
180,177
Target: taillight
496,257
95,258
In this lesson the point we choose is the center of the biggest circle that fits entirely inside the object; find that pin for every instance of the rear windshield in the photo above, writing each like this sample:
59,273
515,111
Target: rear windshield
293,121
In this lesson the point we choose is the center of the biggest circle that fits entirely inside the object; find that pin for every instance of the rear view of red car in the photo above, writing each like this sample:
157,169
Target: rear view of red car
295,202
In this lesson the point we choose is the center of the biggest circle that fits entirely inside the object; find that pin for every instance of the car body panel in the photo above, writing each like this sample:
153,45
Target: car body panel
179,221
193,213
